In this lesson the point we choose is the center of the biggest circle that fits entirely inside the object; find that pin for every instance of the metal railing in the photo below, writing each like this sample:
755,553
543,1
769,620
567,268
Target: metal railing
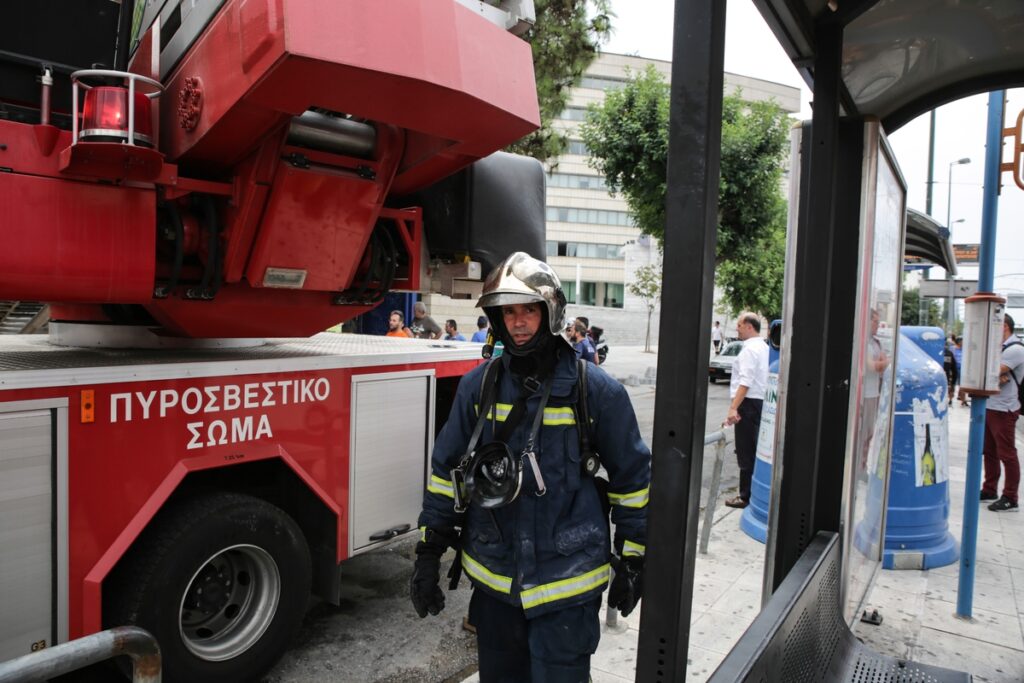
130,641
719,439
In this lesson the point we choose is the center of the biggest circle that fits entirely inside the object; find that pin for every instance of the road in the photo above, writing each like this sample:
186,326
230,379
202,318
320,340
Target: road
375,637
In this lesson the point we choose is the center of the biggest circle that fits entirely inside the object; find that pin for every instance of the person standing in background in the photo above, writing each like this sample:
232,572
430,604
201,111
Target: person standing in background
746,389
581,342
716,337
480,336
451,329
958,356
423,326
396,325
1000,448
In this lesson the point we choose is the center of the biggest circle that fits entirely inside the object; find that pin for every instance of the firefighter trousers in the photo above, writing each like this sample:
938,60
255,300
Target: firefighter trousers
550,648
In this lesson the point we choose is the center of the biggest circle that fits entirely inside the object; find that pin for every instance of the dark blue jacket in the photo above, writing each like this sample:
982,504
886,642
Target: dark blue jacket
552,551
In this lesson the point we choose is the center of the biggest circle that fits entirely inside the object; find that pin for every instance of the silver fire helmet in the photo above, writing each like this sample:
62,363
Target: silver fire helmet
522,279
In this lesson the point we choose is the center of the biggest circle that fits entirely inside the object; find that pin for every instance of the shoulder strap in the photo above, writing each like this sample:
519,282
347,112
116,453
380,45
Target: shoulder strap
582,411
1012,374
487,389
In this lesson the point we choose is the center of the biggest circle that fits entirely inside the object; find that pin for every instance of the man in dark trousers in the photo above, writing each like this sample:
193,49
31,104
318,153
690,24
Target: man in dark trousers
746,391
1000,448
513,487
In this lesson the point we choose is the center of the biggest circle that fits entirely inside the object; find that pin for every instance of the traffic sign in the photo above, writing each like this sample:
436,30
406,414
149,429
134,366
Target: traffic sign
939,289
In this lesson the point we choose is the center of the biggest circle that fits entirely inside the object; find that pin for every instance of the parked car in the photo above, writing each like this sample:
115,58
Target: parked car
721,365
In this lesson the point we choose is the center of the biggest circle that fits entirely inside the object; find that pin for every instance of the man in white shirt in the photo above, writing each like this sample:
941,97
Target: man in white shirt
716,337
1001,413
746,389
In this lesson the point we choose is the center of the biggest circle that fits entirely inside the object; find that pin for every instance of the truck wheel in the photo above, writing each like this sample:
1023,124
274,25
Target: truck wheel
222,581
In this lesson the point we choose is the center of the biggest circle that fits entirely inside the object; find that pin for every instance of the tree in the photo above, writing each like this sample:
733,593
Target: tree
627,136
647,286
911,312
564,39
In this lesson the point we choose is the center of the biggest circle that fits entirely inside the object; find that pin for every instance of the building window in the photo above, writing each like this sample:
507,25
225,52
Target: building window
613,294
577,147
588,294
575,181
573,114
585,250
602,82
593,216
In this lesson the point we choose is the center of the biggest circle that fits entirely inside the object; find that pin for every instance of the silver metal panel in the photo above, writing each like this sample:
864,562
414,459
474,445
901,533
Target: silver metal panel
29,361
392,436
26,532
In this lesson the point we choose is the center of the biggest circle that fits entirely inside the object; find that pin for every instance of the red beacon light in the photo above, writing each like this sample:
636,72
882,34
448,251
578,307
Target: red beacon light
105,116
112,113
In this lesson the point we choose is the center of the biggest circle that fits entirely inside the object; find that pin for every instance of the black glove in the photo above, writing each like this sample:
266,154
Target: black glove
426,575
628,584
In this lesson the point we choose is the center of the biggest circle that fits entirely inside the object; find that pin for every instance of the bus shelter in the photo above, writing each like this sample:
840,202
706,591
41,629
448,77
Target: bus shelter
873,65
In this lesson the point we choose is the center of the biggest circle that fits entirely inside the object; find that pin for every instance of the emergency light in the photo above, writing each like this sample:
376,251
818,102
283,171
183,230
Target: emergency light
114,113
105,116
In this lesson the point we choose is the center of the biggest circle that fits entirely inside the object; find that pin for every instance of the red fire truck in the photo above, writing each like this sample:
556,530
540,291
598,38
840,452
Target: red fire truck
232,177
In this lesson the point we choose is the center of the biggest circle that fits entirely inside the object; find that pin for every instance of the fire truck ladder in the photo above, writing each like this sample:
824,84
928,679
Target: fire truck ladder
23,317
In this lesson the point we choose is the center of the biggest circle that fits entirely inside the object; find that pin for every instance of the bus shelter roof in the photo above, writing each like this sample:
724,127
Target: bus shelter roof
901,58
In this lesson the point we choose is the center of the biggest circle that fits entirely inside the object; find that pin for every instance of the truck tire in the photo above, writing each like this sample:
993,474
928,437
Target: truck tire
222,581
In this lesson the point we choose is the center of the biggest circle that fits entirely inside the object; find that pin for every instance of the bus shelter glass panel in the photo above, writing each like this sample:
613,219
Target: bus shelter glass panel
872,376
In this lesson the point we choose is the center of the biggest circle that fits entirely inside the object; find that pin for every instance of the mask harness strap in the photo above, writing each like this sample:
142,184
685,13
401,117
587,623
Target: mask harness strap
491,375
528,453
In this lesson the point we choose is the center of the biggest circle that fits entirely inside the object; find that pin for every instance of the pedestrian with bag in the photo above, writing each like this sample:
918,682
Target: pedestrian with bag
999,451
514,488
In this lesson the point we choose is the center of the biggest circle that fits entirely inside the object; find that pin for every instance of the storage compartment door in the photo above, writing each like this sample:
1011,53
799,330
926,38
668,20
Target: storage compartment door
29,601
392,435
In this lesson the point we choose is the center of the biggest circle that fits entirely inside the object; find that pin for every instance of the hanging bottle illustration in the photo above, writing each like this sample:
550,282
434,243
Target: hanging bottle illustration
927,459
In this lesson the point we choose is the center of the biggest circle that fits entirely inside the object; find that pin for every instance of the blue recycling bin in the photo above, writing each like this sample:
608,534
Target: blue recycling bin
917,522
754,520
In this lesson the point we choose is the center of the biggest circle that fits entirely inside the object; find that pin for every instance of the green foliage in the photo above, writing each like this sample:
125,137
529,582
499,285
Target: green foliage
564,40
911,311
627,136
646,284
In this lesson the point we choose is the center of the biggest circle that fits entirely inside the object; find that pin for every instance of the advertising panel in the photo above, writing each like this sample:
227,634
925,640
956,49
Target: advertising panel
872,375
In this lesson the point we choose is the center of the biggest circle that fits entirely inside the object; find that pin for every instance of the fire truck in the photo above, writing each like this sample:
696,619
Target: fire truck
194,188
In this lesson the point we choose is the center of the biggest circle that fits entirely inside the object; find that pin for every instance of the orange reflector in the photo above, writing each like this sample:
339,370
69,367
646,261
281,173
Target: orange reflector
88,406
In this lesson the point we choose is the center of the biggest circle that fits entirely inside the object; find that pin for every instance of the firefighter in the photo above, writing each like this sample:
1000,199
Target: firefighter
513,487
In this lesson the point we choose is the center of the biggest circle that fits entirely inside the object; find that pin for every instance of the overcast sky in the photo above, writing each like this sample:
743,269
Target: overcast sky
644,28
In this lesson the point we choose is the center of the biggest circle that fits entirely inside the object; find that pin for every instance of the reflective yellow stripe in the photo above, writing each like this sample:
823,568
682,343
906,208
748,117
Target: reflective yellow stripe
502,584
423,533
441,486
503,409
552,416
630,548
566,588
636,499
559,416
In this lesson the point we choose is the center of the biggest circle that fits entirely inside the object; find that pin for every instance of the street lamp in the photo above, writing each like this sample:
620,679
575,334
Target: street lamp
949,200
949,184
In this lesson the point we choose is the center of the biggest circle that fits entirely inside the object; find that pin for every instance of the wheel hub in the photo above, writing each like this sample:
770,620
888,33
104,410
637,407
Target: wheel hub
229,602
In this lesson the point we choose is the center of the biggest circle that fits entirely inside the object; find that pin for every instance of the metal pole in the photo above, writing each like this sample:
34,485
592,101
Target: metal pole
130,641
716,478
986,271
680,409
949,276
931,163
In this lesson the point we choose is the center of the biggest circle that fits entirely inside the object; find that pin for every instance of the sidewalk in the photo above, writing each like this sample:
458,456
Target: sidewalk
917,606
